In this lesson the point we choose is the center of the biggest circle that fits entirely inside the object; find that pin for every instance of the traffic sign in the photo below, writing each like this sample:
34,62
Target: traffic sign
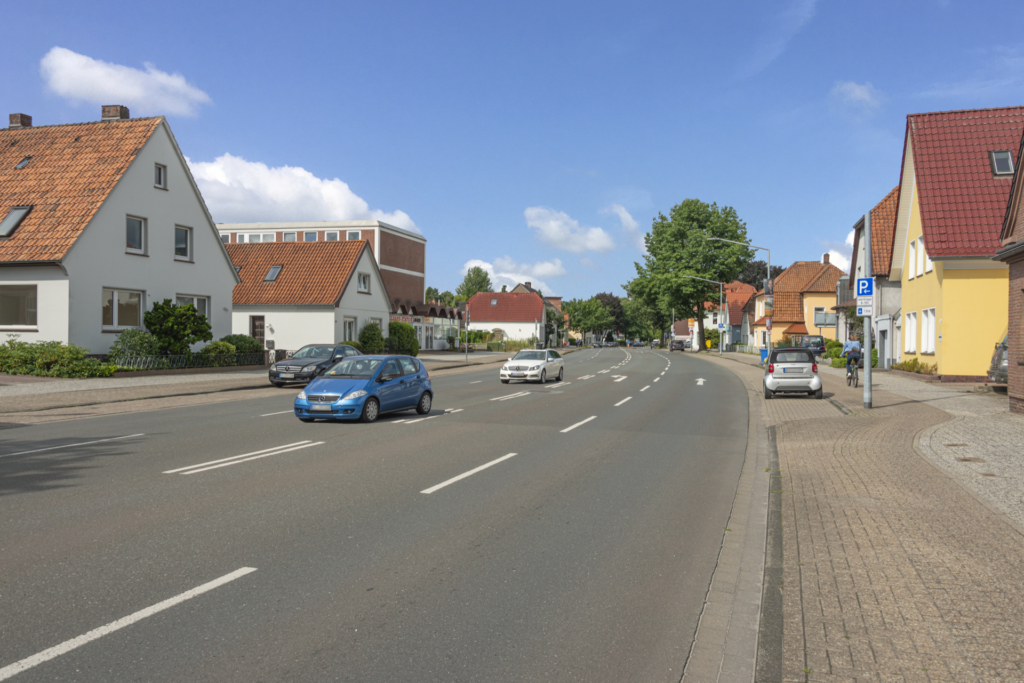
721,326
865,286
864,301
864,311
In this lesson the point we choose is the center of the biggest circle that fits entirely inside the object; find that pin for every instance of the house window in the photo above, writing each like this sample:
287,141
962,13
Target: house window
13,219
928,330
331,236
160,177
494,302
121,308
289,237
822,318
920,256
764,338
350,329
377,322
201,303
364,282
352,235
927,260
182,244
226,239
272,273
1002,162
269,237
910,333
18,305
911,259
309,237
135,235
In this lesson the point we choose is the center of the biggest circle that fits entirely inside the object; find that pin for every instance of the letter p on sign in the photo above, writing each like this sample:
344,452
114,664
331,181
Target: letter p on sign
865,286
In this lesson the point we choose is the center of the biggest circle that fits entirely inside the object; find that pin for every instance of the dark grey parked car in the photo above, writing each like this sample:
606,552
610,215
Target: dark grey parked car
309,362
999,369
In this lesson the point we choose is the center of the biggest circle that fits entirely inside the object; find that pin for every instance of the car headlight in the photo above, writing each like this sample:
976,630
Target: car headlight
302,395
355,394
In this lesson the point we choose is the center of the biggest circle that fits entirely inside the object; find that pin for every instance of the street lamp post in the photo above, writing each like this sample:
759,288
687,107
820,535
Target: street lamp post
767,279
720,286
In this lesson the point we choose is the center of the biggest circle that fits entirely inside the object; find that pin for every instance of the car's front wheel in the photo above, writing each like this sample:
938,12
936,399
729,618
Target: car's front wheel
371,410
561,374
423,407
543,376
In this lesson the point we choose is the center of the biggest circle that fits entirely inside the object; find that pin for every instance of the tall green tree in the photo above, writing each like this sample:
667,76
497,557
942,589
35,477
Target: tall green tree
476,280
175,327
446,298
431,295
677,247
755,272
588,315
613,305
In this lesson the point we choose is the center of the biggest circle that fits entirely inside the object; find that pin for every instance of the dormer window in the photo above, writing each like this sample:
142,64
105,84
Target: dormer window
23,163
13,220
272,273
1002,162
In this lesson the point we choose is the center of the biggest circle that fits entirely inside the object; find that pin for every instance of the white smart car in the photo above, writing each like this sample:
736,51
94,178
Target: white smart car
530,365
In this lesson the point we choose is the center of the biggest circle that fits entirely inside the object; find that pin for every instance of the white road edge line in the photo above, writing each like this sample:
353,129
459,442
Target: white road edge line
72,445
628,398
280,413
422,419
477,382
255,457
69,645
569,429
243,455
646,388
466,474
508,396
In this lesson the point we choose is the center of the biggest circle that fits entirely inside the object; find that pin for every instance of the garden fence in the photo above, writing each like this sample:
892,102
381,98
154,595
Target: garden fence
187,360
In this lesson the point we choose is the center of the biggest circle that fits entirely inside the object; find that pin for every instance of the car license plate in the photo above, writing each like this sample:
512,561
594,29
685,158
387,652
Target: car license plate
792,370
319,409
286,375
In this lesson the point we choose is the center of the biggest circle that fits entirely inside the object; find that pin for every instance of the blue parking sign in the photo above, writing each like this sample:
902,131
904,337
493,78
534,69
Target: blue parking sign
865,286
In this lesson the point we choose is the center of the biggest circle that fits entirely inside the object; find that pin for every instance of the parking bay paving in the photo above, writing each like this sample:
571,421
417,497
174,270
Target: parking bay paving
579,496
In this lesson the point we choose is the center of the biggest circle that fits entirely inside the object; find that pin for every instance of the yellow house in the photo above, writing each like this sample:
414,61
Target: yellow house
803,298
956,179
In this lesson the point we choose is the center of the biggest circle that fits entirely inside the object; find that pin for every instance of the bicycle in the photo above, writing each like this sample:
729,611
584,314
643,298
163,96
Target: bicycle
854,376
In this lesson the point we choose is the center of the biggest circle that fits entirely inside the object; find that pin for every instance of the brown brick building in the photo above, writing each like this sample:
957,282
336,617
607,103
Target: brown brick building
400,254
1012,253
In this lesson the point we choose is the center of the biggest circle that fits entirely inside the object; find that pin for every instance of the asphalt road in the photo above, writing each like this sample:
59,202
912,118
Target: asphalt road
586,555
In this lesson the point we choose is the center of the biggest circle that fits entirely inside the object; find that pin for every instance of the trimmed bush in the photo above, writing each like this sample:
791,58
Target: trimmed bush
354,344
222,352
371,339
49,359
134,342
175,327
402,337
243,343
914,365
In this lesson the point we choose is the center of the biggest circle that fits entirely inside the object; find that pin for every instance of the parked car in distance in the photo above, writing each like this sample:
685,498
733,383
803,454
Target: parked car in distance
792,371
688,343
638,343
814,342
532,365
366,387
677,345
308,362
998,371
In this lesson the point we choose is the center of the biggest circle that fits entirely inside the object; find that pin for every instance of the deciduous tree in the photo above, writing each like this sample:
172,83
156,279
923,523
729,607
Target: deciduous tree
476,280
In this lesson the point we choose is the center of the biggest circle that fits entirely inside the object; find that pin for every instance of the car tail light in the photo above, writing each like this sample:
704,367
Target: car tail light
814,367
771,368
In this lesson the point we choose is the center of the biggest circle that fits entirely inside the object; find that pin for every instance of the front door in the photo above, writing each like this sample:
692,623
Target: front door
256,328
428,337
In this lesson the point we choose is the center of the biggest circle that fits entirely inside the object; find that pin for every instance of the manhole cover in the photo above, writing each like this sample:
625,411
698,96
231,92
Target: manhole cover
969,460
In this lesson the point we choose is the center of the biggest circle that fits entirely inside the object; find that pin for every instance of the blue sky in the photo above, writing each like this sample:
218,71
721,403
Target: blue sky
539,139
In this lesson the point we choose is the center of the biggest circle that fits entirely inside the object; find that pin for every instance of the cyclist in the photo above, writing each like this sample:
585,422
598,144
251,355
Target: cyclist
852,352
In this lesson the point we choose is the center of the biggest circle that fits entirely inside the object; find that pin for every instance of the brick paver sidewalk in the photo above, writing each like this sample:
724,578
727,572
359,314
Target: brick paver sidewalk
893,570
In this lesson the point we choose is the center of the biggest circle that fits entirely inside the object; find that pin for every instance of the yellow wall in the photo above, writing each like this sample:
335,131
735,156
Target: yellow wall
971,310
826,301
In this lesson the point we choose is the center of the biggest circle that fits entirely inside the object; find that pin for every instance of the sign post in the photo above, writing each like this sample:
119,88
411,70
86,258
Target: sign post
866,290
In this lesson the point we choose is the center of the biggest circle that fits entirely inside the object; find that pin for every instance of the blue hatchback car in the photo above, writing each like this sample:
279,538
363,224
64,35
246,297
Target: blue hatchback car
365,387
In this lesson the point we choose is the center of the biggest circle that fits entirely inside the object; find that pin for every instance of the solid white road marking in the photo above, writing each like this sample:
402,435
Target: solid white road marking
477,382
265,450
71,445
646,388
292,411
410,422
569,429
245,457
619,377
398,422
69,645
255,457
466,474
700,382
508,396
628,398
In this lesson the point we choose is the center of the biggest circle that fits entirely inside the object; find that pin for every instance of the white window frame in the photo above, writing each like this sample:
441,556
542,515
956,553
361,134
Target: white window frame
328,238
928,265
307,233
354,322
920,256
285,236
992,158
145,235
349,235
117,326
360,279
910,332
911,259
188,256
160,177
194,299
225,238
378,322
928,330
15,327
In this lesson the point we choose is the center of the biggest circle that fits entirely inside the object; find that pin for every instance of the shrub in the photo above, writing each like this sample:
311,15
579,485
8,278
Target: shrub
914,365
243,343
49,359
176,328
452,341
371,339
402,337
134,342
222,353
354,344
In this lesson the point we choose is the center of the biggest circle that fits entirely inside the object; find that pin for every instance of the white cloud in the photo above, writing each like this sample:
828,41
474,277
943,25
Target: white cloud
863,95
240,191
505,271
587,263
629,224
782,29
838,260
562,231
80,78
849,238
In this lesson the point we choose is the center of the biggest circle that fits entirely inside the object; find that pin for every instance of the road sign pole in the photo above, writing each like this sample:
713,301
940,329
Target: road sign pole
869,272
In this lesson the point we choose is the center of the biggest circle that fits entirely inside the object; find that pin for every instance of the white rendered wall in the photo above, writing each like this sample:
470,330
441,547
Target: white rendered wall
51,302
98,259
514,330
289,327
362,307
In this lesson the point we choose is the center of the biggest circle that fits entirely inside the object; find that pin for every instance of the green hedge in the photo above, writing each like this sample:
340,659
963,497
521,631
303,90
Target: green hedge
841,362
402,337
371,339
354,344
49,359
243,343
222,353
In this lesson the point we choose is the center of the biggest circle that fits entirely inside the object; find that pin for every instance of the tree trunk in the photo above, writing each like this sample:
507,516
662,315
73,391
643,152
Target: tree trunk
700,329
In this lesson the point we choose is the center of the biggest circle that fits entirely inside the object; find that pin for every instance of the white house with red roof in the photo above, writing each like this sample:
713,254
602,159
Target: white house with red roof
957,173
518,315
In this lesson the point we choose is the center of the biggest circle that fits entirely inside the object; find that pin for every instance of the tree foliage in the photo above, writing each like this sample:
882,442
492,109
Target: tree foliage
431,295
613,305
371,339
446,298
754,273
588,315
175,327
476,280
402,337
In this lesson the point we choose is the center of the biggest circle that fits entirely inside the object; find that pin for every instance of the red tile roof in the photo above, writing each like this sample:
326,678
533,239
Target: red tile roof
792,283
737,295
72,171
509,307
962,204
313,273
883,230
796,328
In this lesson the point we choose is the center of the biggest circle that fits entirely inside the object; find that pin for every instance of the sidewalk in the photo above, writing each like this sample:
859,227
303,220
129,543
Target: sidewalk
896,566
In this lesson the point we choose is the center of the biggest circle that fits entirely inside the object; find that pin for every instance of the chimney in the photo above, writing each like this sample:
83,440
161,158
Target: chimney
114,112
527,285
824,258
20,121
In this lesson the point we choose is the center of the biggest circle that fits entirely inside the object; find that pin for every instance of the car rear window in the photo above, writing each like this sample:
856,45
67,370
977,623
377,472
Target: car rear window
792,357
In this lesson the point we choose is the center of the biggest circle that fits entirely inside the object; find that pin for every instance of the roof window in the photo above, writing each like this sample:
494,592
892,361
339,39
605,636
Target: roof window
494,302
23,163
272,273
13,219
1002,162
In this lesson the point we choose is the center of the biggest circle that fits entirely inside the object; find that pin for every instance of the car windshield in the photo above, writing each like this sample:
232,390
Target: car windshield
357,366
314,352
529,355
792,357
812,341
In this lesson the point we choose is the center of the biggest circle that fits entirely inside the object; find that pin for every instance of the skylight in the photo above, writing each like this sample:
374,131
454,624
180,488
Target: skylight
23,163
1002,162
494,302
13,220
272,274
